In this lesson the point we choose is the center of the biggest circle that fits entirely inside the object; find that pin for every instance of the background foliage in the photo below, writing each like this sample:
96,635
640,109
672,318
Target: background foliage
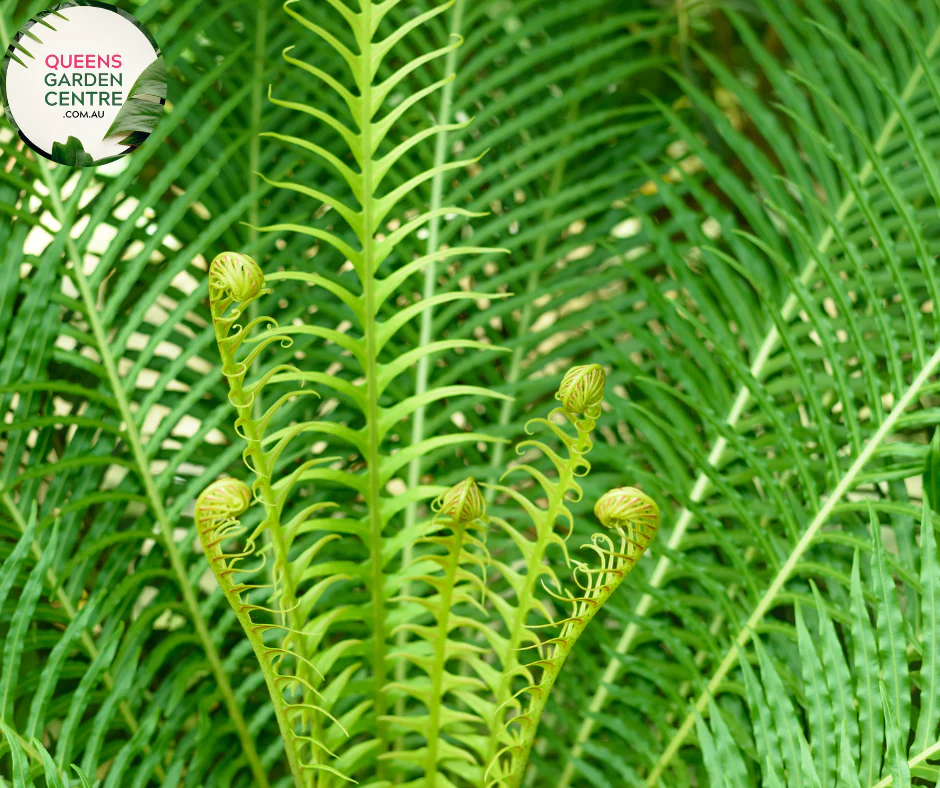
732,207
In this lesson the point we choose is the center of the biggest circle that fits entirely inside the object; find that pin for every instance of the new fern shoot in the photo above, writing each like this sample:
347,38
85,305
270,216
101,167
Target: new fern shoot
486,641
431,666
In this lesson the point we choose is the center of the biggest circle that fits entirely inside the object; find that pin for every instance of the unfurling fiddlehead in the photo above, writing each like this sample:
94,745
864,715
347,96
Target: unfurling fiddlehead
463,503
217,514
455,578
634,518
235,281
234,276
453,703
580,393
582,390
524,684
218,510
628,508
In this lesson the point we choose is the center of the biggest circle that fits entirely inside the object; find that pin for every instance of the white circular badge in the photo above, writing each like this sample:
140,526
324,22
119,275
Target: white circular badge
83,83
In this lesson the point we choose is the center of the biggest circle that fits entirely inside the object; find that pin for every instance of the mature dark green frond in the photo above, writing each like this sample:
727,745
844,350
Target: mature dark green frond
787,422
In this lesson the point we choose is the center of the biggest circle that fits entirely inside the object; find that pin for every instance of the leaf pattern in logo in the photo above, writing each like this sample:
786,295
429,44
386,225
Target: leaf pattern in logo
71,153
140,113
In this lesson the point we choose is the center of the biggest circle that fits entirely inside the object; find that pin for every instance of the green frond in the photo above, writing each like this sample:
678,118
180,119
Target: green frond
721,222
633,518
787,420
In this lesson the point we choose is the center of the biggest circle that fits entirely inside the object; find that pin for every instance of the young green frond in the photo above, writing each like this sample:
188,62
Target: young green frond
448,662
633,518
235,282
217,513
235,276
287,671
627,507
462,503
521,650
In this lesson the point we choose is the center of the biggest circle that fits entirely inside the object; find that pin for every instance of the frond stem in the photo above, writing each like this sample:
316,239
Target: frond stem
263,468
915,761
373,454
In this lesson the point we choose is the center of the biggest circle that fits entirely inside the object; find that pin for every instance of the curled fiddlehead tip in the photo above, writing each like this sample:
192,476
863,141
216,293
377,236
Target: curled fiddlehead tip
221,500
463,502
627,508
582,390
236,275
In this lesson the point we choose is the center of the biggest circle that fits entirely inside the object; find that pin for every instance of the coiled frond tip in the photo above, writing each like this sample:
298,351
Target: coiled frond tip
223,499
628,508
463,502
235,275
582,390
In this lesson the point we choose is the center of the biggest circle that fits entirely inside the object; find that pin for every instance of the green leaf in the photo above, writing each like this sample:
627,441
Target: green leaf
771,775
896,757
14,561
50,771
930,625
931,477
71,153
838,676
809,767
822,723
152,81
142,108
21,776
86,783
867,669
135,138
709,752
892,645
765,734
788,732
732,762
848,772
22,619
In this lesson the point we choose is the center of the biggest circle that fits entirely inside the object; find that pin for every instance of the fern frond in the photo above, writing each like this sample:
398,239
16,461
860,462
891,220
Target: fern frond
633,517
456,579
287,668
798,319
512,728
375,157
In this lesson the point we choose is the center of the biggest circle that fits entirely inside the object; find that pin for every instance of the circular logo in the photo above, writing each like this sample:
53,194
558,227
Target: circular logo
83,83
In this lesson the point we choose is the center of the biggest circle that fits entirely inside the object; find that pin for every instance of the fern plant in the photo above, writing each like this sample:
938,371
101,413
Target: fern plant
277,536
472,726
328,687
